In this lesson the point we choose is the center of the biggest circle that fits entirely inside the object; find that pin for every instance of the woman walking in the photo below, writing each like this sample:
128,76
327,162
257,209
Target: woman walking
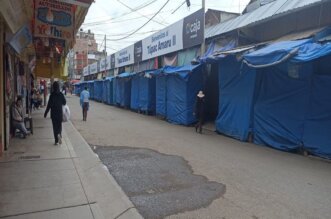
55,103
199,111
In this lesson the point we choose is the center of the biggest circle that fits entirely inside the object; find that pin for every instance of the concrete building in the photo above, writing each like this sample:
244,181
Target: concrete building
85,52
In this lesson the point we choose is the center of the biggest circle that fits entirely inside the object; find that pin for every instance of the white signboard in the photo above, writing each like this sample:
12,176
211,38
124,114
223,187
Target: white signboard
102,65
165,41
86,71
124,57
108,63
94,68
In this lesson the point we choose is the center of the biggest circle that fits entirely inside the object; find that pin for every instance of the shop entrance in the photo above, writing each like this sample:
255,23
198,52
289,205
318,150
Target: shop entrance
212,93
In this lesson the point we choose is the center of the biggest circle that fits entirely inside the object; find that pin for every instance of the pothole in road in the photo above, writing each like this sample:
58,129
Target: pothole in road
159,185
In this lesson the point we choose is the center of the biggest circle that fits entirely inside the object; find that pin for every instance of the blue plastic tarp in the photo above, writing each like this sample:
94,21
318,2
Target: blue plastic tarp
90,85
182,71
135,92
107,92
181,89
161,95
317,127
275,52
98,86
281,106
123,91
236,95
147,93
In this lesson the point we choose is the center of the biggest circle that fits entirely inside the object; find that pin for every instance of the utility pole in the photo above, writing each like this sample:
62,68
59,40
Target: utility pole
105,55
203,29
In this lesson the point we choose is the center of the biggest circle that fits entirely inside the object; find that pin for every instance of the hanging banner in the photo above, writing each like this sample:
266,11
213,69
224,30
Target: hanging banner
53,19
83,3
124,57
21,39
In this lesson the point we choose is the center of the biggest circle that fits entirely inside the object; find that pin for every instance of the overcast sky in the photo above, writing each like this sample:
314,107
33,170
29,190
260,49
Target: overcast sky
115,18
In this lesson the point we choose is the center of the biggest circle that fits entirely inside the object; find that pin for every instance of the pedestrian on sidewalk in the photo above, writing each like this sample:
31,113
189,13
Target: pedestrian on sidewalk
199,111
84,102
55,103
18,117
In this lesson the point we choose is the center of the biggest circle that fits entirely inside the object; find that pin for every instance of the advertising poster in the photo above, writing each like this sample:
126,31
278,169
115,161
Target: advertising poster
53,19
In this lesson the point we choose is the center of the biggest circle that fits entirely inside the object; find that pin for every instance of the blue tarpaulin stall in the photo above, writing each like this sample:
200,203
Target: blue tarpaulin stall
135,80
108,90
77,88
293,105
98,86
183,84
123,90
143,91
161,95
236,92
90,86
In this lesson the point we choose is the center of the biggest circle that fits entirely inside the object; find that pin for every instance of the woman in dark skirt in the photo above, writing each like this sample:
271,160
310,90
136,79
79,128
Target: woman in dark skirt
55,103
199,111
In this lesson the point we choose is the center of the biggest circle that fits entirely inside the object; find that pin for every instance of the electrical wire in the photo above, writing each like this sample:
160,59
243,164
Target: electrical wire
143,24
140,13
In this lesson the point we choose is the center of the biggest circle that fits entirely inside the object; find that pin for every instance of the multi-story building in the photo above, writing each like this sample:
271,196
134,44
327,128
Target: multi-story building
85,52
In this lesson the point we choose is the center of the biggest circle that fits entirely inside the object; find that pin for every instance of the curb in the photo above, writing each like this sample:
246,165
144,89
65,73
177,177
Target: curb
101,189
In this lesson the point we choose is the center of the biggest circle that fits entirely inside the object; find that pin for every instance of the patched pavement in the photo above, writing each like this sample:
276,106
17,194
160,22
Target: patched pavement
159,185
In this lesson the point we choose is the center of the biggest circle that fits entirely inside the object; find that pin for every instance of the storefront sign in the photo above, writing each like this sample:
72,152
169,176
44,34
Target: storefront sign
124,57
165,41
21,39
183,34
193,33
86,71
83,3
102,65
112,61
53,19
108,64
94,68
138,51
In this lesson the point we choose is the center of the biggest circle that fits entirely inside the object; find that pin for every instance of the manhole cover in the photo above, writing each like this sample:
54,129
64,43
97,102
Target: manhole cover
159,185
30,157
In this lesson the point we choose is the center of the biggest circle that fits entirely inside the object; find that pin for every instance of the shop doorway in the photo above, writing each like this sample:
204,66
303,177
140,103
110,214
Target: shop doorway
211,89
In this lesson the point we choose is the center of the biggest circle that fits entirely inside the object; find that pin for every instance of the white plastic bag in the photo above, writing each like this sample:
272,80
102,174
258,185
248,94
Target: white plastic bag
66,113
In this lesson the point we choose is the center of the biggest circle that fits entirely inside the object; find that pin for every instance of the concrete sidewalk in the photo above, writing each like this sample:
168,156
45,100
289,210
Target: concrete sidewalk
41,180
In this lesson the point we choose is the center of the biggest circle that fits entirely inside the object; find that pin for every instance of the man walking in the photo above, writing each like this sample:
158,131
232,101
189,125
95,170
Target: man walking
84,102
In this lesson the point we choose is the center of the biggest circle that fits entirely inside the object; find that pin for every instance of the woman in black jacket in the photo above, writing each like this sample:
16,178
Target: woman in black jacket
55,103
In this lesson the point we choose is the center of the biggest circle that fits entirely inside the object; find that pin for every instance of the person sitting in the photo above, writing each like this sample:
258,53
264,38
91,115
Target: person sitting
39,100
36,99
18,118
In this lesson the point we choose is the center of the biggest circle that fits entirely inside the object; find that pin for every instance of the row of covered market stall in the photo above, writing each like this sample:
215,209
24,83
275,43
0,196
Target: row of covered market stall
275,94
266,74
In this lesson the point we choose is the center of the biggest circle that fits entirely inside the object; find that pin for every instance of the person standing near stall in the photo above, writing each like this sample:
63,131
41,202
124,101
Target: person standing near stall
55,103
199,111
84,102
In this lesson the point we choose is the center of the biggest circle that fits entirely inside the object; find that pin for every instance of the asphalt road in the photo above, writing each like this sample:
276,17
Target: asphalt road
237,180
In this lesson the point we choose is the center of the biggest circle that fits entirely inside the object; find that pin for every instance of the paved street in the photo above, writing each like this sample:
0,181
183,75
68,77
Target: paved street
258,182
